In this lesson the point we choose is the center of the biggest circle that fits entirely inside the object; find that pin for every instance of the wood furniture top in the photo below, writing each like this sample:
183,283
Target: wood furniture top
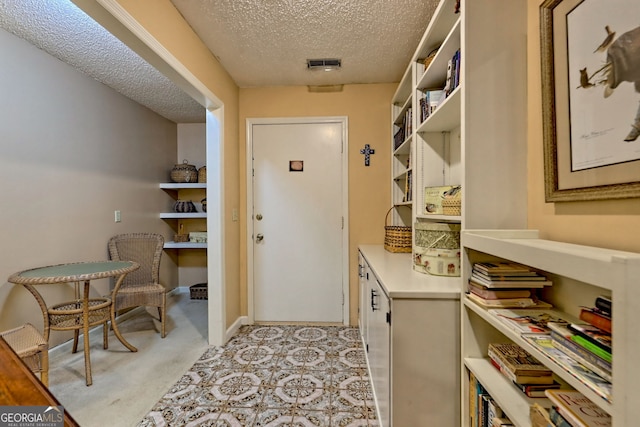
20,387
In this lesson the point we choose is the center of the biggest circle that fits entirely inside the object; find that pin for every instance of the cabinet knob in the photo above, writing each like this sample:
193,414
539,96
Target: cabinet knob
259,237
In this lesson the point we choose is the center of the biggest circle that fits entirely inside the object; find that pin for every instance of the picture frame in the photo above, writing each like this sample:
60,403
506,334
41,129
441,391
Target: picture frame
591,114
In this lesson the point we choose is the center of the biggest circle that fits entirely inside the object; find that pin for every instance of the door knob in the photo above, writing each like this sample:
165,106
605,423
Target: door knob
259,217
259,237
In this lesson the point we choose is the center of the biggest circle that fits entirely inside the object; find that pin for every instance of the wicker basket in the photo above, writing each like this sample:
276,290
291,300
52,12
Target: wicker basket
452,207
202,174
184,173
180,238
198,291
397,238
452,202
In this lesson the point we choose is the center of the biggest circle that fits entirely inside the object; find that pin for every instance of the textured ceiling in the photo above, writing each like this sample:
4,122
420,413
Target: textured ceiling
61,29
259,42
267,42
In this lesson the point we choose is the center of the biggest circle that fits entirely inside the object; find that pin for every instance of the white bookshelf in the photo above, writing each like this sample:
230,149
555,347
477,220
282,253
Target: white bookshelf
579,274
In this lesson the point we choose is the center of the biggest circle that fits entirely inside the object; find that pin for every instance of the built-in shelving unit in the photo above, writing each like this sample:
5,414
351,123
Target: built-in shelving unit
579,274
476,137
176,190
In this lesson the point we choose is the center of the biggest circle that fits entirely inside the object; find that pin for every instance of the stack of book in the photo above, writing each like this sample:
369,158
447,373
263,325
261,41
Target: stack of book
530,376
586,343
506,285
572,409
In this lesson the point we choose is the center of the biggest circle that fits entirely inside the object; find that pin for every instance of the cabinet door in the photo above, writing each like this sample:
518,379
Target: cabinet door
363,271
379,348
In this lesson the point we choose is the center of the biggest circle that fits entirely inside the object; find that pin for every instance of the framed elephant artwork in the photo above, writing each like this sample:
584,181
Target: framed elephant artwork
590,58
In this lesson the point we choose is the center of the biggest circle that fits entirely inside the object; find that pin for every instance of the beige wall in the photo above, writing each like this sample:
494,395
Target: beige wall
368,110
71,152
165,23
609,224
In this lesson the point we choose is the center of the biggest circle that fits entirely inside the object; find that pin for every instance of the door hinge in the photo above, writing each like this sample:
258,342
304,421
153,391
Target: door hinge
388,317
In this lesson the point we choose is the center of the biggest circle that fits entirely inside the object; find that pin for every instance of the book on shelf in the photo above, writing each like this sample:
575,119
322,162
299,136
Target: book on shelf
539,416
505,279
493,411
589,346
398,138
584,375
561,339
520,276
476,391
502,268
501,422
596,317
536,390
515,378
484,410
592,334
577,409
557,419
507,302
448,81
453,73
510,284
518,365
604,303
531,320
487,293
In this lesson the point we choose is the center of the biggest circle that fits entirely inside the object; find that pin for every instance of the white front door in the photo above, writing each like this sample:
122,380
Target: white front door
297,221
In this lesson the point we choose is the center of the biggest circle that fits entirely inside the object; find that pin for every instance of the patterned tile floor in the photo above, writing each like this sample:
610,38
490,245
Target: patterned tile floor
274,376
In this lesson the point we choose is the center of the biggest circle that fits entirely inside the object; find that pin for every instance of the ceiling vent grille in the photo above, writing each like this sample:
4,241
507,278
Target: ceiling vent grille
324,64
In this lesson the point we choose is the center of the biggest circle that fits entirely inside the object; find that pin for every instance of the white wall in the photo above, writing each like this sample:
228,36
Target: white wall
71,152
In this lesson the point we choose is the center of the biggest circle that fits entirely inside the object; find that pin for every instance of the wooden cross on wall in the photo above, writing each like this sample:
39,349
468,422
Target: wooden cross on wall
367,151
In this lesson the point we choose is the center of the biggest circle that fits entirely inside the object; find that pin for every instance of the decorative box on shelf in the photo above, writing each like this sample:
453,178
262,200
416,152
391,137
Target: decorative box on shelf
436,248
433,197
198,237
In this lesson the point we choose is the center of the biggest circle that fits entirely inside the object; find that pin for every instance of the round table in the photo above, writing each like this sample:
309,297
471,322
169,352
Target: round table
80,313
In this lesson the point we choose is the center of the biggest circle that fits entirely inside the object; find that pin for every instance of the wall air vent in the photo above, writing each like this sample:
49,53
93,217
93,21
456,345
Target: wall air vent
324,64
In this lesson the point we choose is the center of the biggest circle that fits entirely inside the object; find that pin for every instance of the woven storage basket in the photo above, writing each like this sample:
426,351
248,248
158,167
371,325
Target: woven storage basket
452,202
452,206
202,174
198,291
184,172
397,238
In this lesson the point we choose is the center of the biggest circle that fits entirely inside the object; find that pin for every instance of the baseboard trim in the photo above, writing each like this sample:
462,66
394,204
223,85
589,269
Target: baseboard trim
233,329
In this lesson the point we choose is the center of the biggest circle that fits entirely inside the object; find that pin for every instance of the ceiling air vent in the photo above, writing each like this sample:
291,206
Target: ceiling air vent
324,64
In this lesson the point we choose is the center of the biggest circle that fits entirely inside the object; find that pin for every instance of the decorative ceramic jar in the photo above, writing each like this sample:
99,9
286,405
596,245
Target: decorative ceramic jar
184,206
204,204
184,172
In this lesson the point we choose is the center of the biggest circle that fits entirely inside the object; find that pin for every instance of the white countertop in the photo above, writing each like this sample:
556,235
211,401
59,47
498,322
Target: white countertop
400,280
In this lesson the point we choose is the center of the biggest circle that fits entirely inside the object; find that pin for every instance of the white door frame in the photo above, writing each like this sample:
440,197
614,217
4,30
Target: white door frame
345,203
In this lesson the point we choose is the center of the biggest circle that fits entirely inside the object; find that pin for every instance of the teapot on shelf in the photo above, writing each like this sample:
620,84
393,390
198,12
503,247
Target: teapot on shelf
184,206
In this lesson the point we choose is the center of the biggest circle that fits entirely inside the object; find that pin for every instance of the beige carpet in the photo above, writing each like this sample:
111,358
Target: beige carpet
127,385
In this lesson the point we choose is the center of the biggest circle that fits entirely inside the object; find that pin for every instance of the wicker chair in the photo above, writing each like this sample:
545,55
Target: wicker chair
31,347
141,287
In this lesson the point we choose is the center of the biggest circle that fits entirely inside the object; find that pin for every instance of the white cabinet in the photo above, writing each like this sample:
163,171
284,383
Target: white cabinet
579,274
410,324
191,221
